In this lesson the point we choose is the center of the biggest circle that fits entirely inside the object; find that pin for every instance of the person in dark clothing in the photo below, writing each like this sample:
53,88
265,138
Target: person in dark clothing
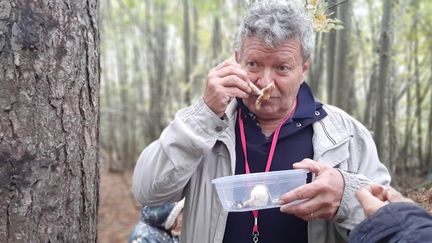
391,218
159,224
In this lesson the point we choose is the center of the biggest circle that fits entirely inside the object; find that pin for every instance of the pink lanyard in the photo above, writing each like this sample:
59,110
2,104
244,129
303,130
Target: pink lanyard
255,232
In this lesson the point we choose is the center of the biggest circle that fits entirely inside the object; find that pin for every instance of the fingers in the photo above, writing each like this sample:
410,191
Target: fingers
369,202
310,165
234,82
302,192
395,196
377,190
321,197
225,81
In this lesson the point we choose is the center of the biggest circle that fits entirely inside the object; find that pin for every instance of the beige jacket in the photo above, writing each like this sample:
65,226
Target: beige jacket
198,146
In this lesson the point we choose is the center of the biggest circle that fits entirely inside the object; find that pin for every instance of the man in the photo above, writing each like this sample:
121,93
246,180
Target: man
226,132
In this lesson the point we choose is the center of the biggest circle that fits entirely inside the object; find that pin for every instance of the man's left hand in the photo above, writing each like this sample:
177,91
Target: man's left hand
321,197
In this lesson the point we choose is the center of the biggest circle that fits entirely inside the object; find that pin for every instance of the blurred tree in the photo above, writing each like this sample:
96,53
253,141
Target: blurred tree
384,63
342,83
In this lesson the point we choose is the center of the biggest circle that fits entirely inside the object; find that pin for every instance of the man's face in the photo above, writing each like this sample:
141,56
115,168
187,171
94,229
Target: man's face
282,66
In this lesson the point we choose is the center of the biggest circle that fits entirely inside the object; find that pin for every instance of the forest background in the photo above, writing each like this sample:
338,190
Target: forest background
155,56
378,67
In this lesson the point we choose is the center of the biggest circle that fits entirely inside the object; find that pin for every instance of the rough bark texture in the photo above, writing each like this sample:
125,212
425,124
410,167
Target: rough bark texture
49,118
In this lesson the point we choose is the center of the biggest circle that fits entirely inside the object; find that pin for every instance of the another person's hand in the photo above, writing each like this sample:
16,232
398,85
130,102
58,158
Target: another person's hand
373,196
224,82
321,197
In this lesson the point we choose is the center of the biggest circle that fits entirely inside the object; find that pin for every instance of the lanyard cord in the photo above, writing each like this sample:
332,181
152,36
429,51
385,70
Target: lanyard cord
255,232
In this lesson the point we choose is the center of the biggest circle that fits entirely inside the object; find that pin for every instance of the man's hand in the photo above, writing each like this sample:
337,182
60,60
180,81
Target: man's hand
373,196
321,197
225,81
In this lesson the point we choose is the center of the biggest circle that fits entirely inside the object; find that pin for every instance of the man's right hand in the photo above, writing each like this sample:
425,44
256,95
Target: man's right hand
225,81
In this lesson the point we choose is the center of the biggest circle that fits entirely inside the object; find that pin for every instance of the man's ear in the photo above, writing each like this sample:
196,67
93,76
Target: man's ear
305,66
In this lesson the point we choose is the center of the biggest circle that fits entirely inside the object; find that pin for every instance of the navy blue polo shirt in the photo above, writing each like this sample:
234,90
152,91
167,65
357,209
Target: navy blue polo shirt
294,144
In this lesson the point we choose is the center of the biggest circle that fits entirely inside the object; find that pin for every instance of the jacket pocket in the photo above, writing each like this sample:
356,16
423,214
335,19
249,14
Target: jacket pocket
337,155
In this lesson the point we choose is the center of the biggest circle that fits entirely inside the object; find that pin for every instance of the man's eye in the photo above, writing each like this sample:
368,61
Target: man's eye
283,68
252,64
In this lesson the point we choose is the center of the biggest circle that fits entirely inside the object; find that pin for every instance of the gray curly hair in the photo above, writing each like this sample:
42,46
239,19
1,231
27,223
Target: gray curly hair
275,21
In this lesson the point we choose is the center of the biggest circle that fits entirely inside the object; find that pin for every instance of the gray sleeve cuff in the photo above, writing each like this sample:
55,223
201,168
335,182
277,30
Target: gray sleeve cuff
350,212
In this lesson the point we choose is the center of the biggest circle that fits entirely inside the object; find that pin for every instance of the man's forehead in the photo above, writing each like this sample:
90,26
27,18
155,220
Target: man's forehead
253,43
275,44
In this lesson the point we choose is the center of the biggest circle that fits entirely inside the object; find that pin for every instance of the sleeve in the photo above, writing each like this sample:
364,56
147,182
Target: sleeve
363,167
395,222
165,166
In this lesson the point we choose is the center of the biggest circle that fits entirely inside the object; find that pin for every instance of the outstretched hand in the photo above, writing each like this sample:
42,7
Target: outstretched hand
373,196
321,197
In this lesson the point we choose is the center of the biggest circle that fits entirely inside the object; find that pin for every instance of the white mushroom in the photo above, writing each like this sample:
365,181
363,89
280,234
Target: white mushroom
263,95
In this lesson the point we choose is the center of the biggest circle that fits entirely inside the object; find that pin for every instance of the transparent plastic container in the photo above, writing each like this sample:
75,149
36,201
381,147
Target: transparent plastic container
247,192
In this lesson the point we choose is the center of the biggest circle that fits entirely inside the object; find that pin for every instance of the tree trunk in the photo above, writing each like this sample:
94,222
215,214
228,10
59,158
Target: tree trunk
418,110
157,82
429,134
316,67
392,127
216,39
372,94
49,125
331,53
342,83
187,50
384,63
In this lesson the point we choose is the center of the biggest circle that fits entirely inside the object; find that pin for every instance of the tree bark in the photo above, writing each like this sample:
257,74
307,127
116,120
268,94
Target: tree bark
49,120
384,63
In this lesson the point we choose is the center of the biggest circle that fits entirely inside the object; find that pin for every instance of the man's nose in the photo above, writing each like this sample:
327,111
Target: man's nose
265,79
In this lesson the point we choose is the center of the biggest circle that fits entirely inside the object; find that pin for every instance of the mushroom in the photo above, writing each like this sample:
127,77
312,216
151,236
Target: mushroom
259,197
263,95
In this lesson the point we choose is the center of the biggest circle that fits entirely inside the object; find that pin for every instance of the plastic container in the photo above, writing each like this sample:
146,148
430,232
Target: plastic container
247,192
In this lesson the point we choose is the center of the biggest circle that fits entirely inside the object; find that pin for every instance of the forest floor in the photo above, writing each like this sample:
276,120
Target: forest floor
119,212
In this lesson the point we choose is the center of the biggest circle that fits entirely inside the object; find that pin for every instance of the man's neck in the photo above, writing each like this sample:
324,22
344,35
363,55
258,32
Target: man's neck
269,126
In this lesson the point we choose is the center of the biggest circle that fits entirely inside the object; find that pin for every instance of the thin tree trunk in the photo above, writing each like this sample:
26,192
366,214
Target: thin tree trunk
49,120
404,154
417,91
391,117
187,50
384,63
122,77
317,64
372,93
216,38
331,53
429,134
156,111
342,83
